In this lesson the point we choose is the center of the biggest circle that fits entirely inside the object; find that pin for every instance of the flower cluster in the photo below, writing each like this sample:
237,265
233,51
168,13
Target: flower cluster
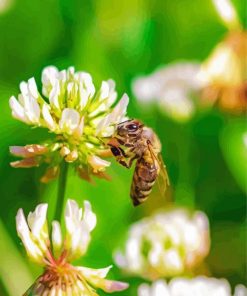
79,116
166,244
199,286
223,74
56,253
173,87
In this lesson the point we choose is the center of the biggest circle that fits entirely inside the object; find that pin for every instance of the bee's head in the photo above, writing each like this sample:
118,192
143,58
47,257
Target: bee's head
128,127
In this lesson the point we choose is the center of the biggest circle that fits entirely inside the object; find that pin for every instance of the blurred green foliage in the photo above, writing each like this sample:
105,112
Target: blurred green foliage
120,40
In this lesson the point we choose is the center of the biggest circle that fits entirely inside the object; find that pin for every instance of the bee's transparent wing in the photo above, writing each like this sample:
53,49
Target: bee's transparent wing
163,178
162,181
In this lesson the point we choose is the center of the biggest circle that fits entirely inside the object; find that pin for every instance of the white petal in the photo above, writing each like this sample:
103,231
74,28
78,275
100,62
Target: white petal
80,240
70,72
48,118
227,12
120,110
112,93
23,231
54,95
160,288
72,215
37,219
104,90
88,216
146,89
29,102
78,227
70,120
88,272
24,88
79,130
84,96
32,87
176,103
120,259
240,290
34,112
97,163
173,261
17,110
56,235
86,80
144,290
115,116
49,78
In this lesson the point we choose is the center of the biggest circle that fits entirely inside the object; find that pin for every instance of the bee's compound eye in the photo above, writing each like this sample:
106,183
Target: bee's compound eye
115,151
132,127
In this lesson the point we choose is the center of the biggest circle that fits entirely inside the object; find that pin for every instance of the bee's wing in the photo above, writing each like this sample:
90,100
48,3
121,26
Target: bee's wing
162,179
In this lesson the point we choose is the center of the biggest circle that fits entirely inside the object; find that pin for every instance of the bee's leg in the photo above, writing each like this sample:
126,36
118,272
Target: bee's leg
123,162
120,156
132,159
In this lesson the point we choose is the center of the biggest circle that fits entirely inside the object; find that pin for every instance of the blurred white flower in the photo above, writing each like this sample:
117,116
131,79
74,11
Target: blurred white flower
199,286
5,5
55,254
172,87
70,108
165,244
227,13
223,74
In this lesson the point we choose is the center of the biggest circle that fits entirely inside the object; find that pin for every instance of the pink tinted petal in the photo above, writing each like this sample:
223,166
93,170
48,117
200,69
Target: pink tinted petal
96,278
50,174
28,150
25,163
110,286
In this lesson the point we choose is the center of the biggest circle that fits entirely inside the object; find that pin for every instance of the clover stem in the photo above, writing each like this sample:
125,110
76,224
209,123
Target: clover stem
61,190
187,161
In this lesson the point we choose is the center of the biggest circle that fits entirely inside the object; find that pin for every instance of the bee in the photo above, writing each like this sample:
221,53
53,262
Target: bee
134,141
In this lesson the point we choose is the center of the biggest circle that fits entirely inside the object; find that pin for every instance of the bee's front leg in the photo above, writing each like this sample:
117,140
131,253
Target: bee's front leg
121,157
124,163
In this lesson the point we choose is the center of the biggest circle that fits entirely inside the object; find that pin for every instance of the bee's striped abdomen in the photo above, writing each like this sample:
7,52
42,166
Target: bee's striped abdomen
144,178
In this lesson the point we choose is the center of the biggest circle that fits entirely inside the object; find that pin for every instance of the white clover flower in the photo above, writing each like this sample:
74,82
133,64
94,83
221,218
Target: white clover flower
56,253
79,117
199,286
172,87
165,244
223,74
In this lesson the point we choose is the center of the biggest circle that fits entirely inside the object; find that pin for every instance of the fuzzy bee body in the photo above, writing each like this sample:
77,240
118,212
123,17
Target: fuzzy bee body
133,141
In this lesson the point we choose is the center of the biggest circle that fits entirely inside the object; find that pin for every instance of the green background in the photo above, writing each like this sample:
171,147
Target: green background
206,158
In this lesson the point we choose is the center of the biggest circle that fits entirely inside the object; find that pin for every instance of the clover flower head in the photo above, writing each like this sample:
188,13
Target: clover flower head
199,286
223,74
79,116
172,87
166,244
55,252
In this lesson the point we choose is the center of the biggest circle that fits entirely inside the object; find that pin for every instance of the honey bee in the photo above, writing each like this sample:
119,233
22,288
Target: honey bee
134,141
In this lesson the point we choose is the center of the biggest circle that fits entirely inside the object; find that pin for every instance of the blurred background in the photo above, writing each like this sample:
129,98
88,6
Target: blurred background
205,156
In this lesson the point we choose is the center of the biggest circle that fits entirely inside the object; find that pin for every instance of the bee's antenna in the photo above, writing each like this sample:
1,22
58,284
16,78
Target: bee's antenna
127,120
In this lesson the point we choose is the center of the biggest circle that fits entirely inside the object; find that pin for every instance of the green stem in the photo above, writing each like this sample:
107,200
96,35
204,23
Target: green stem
61,190
185,193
